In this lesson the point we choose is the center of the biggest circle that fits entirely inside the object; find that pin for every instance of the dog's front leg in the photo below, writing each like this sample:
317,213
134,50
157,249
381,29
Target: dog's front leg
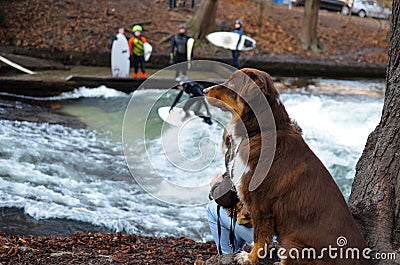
263,232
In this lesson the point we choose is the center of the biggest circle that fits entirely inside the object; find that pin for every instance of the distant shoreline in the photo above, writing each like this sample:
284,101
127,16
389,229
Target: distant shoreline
279,65
101,248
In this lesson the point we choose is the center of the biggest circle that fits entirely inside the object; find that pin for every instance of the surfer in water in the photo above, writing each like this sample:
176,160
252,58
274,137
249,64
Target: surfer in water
137,51
236,53
179,51
195,91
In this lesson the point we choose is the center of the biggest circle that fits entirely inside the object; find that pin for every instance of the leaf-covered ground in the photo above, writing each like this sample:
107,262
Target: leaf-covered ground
87,248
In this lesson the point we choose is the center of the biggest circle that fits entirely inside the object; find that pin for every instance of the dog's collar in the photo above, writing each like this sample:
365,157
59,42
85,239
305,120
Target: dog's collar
253,133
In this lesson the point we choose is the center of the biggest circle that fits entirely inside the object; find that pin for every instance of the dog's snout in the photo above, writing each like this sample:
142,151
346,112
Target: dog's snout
205,90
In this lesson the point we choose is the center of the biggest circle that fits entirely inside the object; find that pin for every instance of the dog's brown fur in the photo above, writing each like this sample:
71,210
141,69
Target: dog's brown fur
298,199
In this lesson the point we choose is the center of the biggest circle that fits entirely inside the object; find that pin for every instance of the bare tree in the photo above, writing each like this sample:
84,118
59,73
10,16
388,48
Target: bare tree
375,196
203,21
308,35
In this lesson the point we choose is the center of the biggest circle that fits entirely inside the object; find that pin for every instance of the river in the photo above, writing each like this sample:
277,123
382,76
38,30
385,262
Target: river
57,172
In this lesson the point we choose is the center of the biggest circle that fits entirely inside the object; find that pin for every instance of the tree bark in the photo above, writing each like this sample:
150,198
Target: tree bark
203,21
308,35
375,197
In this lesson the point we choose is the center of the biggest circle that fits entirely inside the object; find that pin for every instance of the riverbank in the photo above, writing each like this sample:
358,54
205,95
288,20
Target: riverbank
281,65
53,82
352,46
98,248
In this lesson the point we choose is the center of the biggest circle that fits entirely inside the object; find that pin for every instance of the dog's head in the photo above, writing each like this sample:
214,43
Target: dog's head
245,94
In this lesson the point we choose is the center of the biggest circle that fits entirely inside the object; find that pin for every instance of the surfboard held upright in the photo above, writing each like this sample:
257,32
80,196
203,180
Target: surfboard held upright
120,57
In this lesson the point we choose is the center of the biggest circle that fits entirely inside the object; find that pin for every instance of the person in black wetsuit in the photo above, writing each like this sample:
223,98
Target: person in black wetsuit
178,52
195,90
236,52
121,30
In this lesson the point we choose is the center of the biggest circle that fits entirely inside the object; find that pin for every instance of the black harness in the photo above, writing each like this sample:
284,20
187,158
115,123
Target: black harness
231,228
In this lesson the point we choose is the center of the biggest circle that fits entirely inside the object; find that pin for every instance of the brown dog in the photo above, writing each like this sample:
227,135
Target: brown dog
286,188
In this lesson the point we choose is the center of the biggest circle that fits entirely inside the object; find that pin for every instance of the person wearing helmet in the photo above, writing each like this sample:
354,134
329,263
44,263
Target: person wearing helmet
136,50
236,53
178,52
196,98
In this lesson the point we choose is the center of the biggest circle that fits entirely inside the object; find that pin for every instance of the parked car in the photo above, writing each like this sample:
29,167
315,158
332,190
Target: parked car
368,8
330,5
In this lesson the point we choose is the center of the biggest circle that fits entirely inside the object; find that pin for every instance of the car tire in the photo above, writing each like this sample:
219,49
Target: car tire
362,13
346,10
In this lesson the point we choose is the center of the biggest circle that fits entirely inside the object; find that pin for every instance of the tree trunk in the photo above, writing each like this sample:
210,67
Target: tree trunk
375,195
203,21
308,35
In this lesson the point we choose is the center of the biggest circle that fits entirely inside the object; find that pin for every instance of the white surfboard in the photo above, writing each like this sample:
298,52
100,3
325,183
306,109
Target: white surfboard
229,40
147,51
120,57
176,117
189,48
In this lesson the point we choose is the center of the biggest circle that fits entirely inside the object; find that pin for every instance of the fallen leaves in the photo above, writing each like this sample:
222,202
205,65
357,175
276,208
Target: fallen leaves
87,26
97,247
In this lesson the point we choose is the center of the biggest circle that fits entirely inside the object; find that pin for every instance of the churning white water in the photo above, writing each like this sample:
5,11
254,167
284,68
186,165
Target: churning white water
52,171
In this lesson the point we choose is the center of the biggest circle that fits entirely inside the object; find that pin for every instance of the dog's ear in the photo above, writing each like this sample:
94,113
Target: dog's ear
251,84
253,90
264,82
